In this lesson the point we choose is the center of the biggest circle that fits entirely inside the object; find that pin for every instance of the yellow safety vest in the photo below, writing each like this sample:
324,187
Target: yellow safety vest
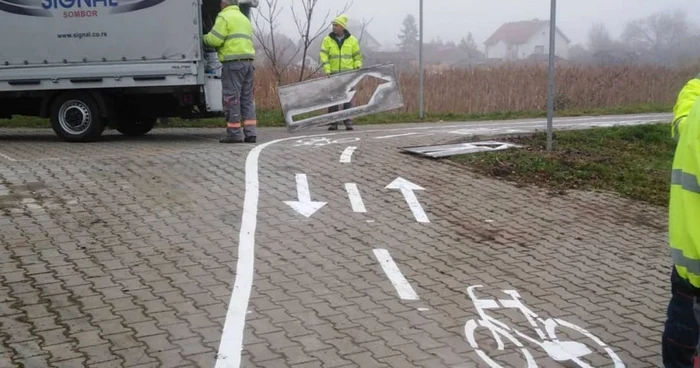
684,206
336,59
232,35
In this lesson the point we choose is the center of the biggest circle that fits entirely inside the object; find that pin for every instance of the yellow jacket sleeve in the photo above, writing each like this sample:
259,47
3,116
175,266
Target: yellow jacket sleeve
686,99
357,55
216,37
324,56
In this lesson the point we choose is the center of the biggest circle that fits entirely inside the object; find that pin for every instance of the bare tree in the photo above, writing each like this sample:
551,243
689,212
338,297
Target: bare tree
266,34
363,26
304,22
660,36
599,39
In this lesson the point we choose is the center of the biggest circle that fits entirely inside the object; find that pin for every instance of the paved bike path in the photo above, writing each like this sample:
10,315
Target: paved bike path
322,297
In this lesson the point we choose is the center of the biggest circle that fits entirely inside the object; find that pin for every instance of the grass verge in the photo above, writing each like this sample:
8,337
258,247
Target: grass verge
273,118
634,161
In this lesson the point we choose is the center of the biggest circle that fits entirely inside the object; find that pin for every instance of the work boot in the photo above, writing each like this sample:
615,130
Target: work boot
233,135
230,139
251,139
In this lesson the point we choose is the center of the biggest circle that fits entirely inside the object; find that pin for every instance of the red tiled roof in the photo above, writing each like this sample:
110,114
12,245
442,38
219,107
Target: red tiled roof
518,32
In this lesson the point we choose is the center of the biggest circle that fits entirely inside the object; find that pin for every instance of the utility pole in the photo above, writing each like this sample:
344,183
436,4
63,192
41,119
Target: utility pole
550,84
420,62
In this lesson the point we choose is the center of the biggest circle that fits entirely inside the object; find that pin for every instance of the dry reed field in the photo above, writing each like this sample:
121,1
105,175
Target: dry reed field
514,88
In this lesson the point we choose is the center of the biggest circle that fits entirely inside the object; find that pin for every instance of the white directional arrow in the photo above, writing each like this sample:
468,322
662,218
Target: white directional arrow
304,206
407,188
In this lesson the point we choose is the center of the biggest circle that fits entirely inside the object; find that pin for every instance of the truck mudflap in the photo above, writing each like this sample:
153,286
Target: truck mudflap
320,93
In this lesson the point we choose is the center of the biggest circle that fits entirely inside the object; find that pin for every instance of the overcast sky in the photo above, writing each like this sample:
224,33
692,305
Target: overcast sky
453,19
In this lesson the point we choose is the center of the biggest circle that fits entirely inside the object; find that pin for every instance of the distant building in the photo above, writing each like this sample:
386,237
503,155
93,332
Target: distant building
521,40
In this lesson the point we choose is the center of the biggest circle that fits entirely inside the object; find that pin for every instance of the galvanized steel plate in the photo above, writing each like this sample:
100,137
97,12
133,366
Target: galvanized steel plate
320,93
447,150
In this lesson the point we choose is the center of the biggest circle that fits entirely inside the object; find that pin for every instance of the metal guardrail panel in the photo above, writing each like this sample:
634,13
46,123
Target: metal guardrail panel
446,150
320,93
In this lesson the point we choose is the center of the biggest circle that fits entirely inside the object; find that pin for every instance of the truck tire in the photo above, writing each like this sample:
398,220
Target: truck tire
136,127
76,117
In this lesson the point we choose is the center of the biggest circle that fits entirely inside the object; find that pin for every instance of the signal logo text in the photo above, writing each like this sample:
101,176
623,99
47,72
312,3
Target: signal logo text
79,8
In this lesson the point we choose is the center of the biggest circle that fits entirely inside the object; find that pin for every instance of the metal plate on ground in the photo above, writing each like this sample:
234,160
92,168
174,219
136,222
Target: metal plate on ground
320,93
447,150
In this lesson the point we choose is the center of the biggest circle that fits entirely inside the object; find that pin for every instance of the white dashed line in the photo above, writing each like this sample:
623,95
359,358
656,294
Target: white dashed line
355,197
395,136
403,288
346,157
7,157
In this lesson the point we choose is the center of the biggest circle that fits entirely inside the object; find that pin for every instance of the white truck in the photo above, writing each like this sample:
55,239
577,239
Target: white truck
87,65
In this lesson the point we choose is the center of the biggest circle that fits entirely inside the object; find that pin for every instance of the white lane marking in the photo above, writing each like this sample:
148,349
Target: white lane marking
395,136
406,187
403,288
346,156
504,125
231,345
355,197
7,157
304,206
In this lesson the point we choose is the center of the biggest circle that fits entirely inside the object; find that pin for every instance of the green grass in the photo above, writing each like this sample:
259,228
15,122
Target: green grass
634,161
272,118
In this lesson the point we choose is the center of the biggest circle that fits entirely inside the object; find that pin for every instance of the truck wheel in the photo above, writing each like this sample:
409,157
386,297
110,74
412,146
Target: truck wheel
75,117
136,127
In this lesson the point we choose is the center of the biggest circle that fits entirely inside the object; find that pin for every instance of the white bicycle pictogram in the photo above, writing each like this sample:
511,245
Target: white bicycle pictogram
323,141
560,351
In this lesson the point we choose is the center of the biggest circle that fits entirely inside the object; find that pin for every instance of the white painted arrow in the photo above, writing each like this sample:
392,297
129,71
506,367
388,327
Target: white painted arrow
304,206
407,188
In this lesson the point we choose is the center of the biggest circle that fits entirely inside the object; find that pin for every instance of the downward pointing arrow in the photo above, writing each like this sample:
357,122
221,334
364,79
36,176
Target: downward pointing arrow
304,206
406,187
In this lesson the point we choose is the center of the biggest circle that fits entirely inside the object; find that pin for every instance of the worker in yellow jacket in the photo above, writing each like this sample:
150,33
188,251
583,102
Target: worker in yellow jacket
680,337
340,52
232,37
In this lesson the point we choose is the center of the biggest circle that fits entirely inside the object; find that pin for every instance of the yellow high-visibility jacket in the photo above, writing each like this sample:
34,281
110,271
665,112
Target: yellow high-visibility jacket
232,35
684,206
340,56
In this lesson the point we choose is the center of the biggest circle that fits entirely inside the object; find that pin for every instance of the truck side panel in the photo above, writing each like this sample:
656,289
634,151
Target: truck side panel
84,32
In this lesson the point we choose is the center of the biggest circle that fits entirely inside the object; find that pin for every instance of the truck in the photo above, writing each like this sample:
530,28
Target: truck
89,65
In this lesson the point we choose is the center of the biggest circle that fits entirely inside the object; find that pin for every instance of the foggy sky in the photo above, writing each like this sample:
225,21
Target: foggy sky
453,19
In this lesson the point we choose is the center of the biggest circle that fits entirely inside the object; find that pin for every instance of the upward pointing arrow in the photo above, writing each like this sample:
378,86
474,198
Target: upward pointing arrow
406,187
304,206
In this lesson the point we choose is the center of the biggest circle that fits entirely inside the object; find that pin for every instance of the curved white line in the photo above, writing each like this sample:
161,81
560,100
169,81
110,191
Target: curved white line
346,156
231,345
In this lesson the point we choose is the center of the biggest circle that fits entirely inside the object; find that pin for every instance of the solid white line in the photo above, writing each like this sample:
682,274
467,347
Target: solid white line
403,288
347,154
231,345
7,157
394,136
355,198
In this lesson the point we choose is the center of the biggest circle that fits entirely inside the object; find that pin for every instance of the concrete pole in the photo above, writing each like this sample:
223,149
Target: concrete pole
420,63
550,84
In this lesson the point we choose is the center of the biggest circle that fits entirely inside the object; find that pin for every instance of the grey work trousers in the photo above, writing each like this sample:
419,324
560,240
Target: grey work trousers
347,105
237,78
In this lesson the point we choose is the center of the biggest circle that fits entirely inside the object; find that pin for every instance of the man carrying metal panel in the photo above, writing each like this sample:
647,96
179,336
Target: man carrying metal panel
232,37
340,52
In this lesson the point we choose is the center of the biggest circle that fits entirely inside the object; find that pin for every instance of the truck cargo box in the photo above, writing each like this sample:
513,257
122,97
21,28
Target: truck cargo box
62,32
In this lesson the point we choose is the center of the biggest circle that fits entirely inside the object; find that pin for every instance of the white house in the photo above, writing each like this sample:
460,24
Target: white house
520,40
